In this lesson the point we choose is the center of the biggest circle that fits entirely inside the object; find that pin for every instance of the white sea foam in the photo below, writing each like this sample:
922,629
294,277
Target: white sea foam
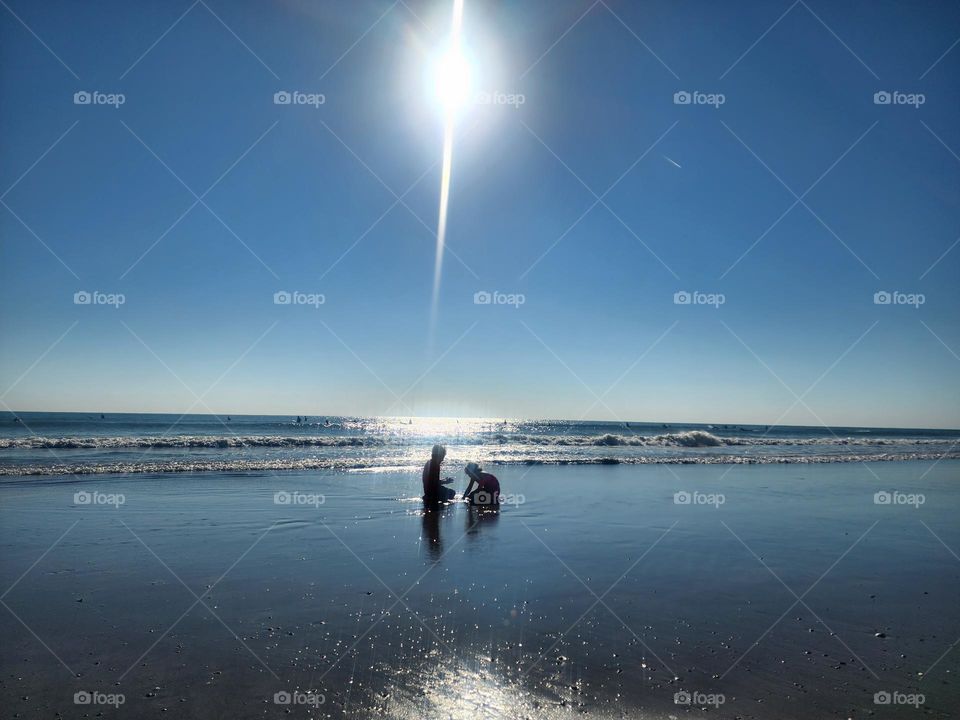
689,439
378,464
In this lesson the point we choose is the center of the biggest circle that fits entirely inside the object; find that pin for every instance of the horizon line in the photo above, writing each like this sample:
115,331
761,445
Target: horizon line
498,418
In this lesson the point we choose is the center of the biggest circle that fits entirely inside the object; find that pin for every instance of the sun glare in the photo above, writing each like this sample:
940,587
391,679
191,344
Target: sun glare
453,91
452,78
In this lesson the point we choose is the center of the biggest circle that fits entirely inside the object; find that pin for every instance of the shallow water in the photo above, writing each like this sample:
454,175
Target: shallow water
345,591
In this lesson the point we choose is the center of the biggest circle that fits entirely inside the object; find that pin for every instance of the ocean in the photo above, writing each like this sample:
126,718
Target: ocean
39,443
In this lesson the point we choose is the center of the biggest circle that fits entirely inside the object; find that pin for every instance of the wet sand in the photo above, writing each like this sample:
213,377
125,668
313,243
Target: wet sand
202,597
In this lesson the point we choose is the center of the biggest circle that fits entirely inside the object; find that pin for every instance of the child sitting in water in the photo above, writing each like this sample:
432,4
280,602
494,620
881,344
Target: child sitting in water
487,492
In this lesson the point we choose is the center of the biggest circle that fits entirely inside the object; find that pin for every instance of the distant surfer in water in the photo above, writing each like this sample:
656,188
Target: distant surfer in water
487,491
433,490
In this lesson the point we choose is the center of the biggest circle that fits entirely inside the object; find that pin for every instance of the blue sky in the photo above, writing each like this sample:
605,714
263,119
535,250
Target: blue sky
297,192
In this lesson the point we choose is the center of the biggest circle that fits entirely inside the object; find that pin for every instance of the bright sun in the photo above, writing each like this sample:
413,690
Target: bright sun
451,70
452,80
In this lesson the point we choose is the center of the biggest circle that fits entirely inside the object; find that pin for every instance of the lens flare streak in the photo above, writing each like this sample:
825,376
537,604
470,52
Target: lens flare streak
450,111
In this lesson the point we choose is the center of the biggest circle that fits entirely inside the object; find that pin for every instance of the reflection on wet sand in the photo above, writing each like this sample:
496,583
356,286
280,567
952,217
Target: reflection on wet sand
430,520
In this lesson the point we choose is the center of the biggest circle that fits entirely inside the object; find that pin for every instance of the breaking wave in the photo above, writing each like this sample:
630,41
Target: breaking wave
689,439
